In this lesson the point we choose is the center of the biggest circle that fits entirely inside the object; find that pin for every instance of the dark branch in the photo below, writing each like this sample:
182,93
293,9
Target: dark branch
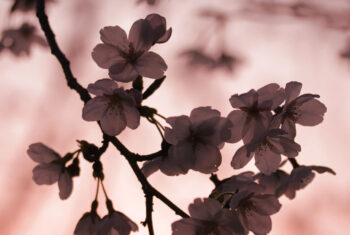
149,208
55,50
132,158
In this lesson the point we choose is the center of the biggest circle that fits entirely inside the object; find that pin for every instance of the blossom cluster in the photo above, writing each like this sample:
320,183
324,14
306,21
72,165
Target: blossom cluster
263,120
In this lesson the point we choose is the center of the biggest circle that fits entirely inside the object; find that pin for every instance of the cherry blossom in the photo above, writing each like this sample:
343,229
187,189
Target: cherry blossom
88,224
116,223
127,58
112,106
299,178
208,217
267,149
254,210
304,110
51,169
195,142
19,41
253,112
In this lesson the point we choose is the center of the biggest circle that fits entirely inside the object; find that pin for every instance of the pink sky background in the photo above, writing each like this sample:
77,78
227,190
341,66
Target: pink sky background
37,106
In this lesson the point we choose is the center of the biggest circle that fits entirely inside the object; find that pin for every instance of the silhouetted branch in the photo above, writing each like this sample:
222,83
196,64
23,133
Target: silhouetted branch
55,50
132,158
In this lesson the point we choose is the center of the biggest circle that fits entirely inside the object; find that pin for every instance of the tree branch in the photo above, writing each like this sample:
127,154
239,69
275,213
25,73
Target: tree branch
132,158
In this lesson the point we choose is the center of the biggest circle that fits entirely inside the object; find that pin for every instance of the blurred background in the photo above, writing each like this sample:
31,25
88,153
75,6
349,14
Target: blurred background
218,48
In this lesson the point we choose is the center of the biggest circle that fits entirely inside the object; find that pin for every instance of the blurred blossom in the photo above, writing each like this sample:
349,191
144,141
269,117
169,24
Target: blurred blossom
198,58
127,58
149,2
25,5
19,41
112,106
208,217
88,224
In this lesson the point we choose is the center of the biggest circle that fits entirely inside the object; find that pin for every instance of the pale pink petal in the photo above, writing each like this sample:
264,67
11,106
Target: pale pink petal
116,36
311,113
150,65
123,72
112,122
267,161
208,158
95,108
105,55
266,204
292,91
102,87
39,152
241,158
46,173
141,35
65,185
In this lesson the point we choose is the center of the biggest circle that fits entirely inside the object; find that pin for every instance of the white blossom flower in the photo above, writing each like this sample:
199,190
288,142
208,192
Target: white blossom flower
208,217
195,142
127,58
254,111
254,210
20,40
112,106
267,149
116,223
88,224
304,110
50,169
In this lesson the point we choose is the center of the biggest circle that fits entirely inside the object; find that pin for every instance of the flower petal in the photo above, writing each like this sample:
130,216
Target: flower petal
266,204
39,152
113,122
180,129
141,35
311,113
132,116
292,91
123,72
241,158
207,158
95,108
65,185
46,173
267,161
115,36
102,87
150,65
105,55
